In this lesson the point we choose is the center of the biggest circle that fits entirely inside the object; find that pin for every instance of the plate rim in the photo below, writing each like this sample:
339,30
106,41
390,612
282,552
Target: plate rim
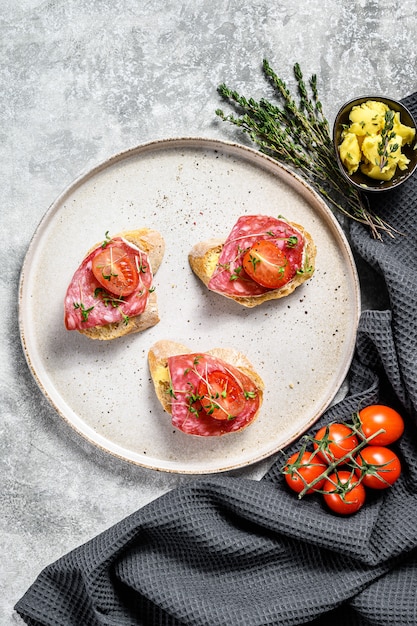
197,143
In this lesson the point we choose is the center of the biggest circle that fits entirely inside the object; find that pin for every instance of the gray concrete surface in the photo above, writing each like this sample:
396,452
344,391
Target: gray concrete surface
80,81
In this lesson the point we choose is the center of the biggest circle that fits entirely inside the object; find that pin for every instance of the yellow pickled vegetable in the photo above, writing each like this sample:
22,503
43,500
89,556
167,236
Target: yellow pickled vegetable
373,140
350,152
367,118
406,132
374,171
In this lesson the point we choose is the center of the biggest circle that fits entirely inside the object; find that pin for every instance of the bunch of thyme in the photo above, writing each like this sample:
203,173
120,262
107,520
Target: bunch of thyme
297,134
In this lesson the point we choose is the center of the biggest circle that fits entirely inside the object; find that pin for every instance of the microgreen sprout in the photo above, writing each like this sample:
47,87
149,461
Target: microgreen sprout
109,300
107,239
292,241
84,312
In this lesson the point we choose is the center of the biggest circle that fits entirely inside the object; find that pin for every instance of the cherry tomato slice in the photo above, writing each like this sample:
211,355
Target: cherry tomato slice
343,494
267,265
380,417
334,441
221,395
380,467
115,269
302,469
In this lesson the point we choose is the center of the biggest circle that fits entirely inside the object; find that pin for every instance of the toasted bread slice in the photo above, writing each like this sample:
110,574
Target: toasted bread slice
151,242
158,366
204,256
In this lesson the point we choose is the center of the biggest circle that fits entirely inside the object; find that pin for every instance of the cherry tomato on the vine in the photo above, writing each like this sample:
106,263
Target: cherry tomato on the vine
301,469
343,493
267,265
380,417
334,441
380,467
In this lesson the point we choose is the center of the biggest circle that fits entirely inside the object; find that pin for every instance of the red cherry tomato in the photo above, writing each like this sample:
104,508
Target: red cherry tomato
267,265
343,494
380,467
302,469
221,396
334,441
116,270
376,417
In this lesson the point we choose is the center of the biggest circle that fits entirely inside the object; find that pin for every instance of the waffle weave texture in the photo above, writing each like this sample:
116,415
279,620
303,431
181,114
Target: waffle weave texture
224,551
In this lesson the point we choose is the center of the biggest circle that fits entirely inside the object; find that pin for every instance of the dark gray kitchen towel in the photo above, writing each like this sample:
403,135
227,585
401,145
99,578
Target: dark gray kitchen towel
225,551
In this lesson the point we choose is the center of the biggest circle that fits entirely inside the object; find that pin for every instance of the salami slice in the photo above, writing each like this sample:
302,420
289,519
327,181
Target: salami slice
88,304
186,372
230,278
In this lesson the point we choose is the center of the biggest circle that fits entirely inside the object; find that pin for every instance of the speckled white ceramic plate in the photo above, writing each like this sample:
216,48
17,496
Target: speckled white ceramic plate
189,189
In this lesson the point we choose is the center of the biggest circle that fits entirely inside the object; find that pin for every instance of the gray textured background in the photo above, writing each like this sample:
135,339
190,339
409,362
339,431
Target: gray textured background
81,80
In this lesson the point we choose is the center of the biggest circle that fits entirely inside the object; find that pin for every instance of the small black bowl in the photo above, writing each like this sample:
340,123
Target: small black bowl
359,180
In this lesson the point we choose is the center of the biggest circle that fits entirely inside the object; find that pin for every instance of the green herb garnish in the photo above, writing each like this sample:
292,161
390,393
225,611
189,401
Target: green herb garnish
84,312
107,239
387,135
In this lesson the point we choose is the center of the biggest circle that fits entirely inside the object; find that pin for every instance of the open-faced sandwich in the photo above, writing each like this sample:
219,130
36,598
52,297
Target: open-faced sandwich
111,293
206,393
263,258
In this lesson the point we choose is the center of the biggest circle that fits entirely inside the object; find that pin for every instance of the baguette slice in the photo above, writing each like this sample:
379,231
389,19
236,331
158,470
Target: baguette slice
204,256
158,366
151,242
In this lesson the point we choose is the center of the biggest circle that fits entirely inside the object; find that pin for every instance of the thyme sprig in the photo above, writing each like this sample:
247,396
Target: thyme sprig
387,135
297,134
